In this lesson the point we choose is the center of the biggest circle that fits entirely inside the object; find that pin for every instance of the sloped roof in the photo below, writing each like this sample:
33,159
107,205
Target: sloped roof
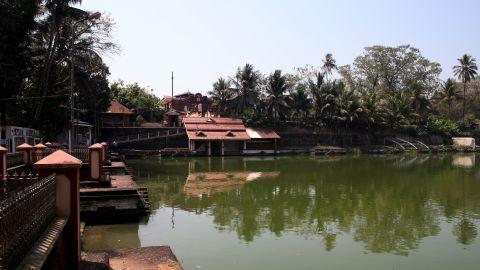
259,133
118,108
215,128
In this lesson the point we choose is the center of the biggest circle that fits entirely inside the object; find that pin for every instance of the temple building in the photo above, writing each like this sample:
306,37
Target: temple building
178,106
220,136
117,115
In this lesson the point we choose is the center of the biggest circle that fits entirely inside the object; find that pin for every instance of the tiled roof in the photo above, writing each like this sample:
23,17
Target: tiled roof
215,128
117,108
258,133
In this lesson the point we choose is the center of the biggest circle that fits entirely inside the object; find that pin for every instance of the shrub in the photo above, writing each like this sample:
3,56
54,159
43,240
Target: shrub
440,126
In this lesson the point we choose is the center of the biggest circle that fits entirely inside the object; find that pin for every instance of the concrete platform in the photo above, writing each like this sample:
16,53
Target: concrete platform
145,258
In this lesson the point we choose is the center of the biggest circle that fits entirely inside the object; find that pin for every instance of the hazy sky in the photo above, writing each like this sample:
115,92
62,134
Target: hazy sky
201,40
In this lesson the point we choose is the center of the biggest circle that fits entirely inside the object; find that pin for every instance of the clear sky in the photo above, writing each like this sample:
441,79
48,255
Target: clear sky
201,40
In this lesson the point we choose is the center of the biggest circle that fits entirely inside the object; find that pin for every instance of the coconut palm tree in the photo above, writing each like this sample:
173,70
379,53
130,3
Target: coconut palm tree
276,99
449,92
245,90
397,109
349,109
301,103
221,95
329,64
465,71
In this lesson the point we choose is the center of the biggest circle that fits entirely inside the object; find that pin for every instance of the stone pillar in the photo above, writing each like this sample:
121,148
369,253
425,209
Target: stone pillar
104,151
27,150
67,174
244,145
38,150
95,164
209,150
223,148
3,162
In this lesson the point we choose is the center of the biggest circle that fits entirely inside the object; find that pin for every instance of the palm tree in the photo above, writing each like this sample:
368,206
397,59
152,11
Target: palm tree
466,71
245,88
371,108
449,92
276,99
325,95
420,103
397,109
221,95
349,109
329,64
301,103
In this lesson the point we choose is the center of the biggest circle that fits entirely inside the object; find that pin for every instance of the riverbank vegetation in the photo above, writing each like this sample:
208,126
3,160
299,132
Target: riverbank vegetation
394,88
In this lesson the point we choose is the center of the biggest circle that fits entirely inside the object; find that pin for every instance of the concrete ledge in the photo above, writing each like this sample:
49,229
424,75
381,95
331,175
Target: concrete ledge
38,254
145,258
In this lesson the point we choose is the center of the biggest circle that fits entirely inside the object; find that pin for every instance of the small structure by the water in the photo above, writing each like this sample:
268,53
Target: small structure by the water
261,141
216,135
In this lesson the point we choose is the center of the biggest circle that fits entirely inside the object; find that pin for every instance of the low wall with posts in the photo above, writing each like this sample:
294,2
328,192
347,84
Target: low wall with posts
40,213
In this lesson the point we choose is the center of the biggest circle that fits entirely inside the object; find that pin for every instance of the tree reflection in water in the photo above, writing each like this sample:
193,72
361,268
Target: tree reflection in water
389,204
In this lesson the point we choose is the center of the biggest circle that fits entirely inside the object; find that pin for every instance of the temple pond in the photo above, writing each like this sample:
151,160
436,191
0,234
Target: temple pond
352,212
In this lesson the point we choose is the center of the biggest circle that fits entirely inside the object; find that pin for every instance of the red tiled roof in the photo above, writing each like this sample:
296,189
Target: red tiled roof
218,135
258,133
117,108
215,128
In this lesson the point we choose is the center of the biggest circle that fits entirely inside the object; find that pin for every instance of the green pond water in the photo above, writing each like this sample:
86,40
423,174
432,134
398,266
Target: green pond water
353,212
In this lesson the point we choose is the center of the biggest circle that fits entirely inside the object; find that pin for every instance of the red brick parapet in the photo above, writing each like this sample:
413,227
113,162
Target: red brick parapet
27,150
67,173
96,161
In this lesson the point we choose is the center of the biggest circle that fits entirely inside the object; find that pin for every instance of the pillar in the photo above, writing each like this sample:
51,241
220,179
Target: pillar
38,151
27,150
244,145
209,146
67,174
104,151
3,162
95,162
223,148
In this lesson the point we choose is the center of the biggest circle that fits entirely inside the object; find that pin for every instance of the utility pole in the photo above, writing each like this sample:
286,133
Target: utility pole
172,84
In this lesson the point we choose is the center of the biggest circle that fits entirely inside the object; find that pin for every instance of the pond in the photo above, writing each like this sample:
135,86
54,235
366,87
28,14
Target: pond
301,212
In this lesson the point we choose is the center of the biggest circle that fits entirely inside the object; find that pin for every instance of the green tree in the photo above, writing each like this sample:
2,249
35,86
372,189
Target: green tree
465,71
245,88
221,95
276,99
448,94
301,103
329,64
17,19
350,109
397,109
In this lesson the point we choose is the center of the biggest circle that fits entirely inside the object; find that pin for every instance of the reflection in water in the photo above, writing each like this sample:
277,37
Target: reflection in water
387,204
209,183
103,237
464,161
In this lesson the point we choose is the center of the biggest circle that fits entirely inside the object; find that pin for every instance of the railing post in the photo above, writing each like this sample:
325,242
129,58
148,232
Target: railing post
104,152
95,161
67,174
3,162
38,150
27,153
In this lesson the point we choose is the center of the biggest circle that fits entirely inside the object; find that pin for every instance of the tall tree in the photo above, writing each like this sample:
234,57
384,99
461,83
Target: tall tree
449,93
16,23
276,99
221,95
465,71
245,90
329,64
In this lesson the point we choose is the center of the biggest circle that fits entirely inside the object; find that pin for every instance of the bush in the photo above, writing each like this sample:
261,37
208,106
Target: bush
443,127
